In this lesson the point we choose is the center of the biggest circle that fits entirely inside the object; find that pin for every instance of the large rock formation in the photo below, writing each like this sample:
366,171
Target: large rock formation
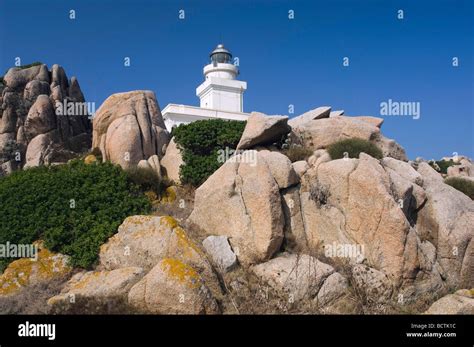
317,113
128,128
149,266
172,161
461,302
262,130
96,292
172,287
43,117
298,276
243,193
320,132
401,230
220,252
446,221
26,272
142,241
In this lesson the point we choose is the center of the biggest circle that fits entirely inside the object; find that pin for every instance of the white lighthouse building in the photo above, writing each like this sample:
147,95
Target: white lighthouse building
221,94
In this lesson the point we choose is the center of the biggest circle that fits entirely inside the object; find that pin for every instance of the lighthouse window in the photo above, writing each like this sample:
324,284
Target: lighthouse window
221,57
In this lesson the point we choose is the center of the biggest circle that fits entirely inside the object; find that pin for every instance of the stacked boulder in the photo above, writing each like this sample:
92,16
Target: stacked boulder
413,234
34,129
129,130
318,128
150,266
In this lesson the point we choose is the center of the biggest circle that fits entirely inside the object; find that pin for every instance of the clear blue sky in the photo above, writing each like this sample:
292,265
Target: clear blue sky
284,61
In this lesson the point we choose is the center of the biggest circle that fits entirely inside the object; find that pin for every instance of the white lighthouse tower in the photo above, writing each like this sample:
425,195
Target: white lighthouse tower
221,94
220,89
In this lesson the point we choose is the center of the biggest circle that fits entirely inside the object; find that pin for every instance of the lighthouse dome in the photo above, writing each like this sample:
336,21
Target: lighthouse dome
221,55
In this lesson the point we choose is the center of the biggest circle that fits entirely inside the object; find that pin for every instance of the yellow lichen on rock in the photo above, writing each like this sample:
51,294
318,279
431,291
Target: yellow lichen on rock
181,272
185,244
27,271
137,220
169,195
168,221
90,159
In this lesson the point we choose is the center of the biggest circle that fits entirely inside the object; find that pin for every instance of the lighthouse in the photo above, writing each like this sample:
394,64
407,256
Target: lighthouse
220,89
220,94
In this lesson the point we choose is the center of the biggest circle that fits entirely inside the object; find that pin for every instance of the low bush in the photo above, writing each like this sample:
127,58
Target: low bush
464,185
297,153
74,207
200,143
441,165
351,148
319,194
147,179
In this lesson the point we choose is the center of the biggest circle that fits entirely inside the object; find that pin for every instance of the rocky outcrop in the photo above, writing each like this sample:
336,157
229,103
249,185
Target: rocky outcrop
96,292
323,132
336,113
172,287
461,302
142,241
128,128
374,284
317,113
26,272
335,208
172,161
149,266
320,133
280,168
152,164
395,214
220,252
464,167
300,167
298,276
249,202
43,117
371,120
333,288
262,130
446,222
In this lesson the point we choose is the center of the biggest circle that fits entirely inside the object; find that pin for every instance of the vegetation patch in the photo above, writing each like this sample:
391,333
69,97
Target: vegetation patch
201,142
351,148
74,207
297,153
146,178
463,185
442,165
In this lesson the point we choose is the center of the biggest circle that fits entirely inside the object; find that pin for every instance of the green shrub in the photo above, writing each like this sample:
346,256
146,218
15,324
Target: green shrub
74,208
465,186
297,153
442,165
146,178
353,147
200,143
